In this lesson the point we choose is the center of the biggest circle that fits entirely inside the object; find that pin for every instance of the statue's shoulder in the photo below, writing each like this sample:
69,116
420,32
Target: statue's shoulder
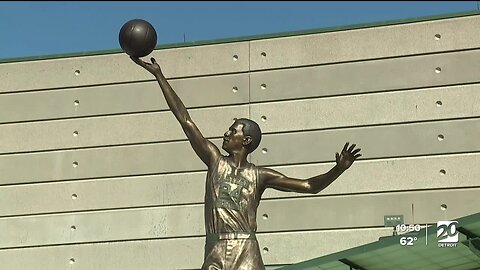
214,165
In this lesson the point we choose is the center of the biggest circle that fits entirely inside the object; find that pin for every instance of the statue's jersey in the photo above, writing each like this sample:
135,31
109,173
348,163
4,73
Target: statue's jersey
231,200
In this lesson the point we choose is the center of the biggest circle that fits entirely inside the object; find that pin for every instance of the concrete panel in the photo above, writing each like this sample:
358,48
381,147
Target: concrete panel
366,210
281,149
295,247
188,188
369,76
375,142
396,174
184,253
122,98
358,110
349,211
367,43
100,162
114,130
118,68
102,226
106,193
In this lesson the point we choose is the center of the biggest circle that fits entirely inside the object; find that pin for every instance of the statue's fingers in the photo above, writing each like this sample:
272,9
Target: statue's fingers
357,156
135,59
351,147
337,156
153,60
356,151
138,61
345,147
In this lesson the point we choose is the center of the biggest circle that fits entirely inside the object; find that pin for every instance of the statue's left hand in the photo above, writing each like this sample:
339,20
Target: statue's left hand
348,155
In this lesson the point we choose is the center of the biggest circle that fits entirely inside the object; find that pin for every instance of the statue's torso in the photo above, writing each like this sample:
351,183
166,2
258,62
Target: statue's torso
231,198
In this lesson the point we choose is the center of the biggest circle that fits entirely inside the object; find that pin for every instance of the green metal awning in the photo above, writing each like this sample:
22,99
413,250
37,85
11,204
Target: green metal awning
424,253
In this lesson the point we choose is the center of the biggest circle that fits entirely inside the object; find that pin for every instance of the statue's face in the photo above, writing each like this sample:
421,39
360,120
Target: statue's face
233,138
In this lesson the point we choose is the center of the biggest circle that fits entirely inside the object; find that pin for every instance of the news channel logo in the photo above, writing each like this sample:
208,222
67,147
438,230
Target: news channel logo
447,234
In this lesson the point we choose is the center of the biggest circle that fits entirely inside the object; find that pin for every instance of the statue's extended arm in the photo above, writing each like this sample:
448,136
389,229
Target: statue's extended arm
273,179
206,150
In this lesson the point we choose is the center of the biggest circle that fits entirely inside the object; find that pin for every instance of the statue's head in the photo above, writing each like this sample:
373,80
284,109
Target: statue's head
243,133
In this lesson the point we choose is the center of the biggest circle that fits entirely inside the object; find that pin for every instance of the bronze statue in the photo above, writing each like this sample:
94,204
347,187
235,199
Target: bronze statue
234,186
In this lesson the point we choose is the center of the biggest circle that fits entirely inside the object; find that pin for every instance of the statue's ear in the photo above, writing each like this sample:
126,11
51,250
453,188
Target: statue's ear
247,140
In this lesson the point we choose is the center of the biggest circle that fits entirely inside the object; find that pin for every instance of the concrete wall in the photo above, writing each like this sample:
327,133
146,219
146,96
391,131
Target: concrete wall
95,172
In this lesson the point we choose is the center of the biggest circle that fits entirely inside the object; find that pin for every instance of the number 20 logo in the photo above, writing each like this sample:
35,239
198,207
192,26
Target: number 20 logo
447,231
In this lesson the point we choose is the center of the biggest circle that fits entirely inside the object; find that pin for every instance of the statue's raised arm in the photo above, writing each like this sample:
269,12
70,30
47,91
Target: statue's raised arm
205,149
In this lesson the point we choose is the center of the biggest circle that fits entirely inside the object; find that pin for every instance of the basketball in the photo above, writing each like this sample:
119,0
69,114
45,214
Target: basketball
137,38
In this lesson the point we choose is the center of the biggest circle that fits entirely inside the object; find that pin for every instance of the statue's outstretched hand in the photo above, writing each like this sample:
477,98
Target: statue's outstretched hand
348,155
153,67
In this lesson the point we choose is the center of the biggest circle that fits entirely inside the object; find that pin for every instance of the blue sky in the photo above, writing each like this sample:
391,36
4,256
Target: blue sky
32,29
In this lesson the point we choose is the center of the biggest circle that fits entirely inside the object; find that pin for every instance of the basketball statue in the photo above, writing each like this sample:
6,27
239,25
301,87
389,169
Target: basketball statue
234,186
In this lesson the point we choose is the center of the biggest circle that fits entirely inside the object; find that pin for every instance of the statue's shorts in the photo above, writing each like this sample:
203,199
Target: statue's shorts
232,251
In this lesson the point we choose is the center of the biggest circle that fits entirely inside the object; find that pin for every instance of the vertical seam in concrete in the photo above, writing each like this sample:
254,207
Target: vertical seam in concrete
249,89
